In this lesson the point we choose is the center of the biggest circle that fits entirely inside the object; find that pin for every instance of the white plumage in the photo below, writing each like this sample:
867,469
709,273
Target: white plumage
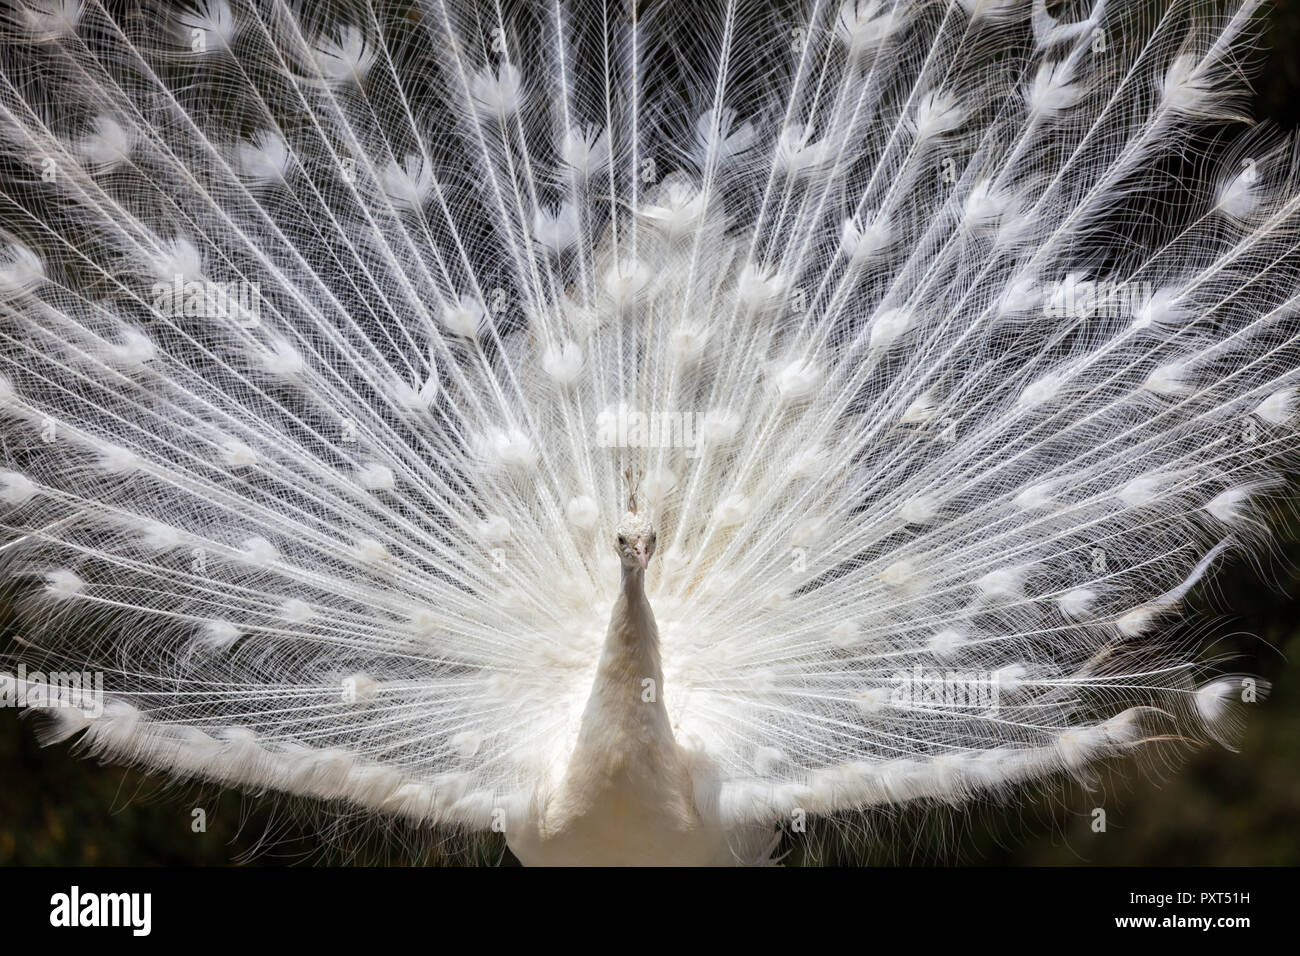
940,346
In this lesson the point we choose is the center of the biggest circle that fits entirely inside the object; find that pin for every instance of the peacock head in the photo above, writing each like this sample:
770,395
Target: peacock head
636,540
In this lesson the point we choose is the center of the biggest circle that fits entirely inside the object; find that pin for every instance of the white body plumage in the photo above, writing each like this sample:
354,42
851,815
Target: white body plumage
626,795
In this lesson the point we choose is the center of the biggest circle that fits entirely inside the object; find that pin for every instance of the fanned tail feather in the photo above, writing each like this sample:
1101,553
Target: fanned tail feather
949,345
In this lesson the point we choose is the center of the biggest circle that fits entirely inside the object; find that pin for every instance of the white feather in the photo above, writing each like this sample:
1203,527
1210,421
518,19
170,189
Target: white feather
944,337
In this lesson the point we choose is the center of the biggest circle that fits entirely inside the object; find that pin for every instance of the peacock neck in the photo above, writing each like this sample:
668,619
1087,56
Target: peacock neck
627,796
631,661
625,726
637,632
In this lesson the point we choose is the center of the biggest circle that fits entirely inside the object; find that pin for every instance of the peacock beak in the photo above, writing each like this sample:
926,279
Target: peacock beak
642,551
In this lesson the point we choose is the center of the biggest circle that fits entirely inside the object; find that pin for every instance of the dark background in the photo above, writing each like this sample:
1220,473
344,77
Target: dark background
1176,806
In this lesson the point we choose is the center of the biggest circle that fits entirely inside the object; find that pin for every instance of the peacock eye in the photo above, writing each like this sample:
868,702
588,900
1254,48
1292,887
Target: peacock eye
622,539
